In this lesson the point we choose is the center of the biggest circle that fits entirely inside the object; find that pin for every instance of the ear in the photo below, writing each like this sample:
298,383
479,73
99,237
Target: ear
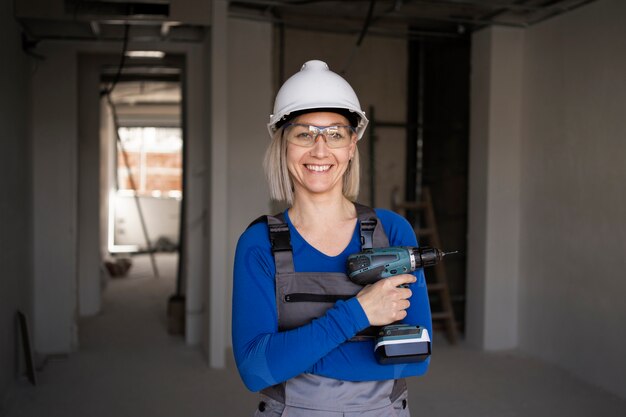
353,146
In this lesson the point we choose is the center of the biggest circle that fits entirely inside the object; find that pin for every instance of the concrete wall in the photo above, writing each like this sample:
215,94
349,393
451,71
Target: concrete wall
162,217
216,156
249,105
90,165
547,231
55,196
15,200
573,224
494,197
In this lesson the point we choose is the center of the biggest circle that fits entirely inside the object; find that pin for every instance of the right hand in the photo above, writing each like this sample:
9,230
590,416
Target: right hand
385,303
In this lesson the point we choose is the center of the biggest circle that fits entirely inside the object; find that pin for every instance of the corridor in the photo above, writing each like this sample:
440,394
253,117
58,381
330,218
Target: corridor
128,366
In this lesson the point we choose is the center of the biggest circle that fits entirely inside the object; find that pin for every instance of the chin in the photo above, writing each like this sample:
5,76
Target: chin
319,188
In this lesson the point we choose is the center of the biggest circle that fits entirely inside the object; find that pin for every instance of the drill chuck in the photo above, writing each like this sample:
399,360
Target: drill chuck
425,257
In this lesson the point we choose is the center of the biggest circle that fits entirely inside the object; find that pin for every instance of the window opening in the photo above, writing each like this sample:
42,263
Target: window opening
155,161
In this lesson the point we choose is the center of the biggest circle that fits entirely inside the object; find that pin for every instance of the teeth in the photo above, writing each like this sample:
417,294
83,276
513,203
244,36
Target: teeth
318,168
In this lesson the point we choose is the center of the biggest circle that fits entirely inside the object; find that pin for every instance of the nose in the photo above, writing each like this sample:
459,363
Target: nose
320,148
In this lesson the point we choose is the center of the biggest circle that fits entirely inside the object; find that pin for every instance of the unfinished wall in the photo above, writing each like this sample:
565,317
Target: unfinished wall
55,149
162,217
90,162
493,225
573,224
15,199
249,106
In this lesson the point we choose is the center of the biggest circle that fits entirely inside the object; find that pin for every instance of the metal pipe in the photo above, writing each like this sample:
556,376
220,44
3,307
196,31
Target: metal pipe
420,126
182,225
411,132
373,31
478,21
372,156
495,5
415,127
366,25
561,10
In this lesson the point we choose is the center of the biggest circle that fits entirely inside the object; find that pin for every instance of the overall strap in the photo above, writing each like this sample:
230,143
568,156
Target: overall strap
399,386
372,232
280,240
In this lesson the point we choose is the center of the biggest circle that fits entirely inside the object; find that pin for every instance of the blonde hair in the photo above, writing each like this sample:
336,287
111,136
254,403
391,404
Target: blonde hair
280,182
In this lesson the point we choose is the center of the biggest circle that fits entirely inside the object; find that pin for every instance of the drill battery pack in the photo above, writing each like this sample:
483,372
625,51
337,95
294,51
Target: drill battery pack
402,343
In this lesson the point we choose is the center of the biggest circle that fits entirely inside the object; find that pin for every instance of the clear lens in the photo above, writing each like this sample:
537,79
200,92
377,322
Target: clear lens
306,135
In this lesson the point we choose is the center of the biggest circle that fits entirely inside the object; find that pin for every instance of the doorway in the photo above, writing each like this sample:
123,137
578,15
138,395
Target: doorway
143,173
131,170
146,170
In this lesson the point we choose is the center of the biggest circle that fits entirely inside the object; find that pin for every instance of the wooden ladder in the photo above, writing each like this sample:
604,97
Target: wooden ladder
440,284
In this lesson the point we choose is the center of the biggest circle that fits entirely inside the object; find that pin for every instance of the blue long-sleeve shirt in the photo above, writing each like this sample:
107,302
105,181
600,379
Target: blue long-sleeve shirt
265,356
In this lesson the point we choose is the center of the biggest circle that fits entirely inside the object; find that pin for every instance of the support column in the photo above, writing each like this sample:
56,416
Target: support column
494,188
218,218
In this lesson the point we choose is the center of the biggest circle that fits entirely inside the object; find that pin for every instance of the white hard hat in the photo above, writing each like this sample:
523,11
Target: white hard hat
315,86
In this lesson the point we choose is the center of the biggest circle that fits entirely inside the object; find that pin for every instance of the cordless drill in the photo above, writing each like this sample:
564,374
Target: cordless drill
396,343
371,265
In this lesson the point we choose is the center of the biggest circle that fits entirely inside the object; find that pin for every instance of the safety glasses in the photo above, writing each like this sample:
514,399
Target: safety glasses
306,135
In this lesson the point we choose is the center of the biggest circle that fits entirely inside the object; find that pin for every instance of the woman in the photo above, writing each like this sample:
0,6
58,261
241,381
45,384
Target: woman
300,327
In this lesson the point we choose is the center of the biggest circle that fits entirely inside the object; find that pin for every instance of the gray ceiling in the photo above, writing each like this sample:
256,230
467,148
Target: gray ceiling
150,20
402,18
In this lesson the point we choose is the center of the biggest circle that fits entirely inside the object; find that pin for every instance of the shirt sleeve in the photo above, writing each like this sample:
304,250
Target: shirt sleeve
263,355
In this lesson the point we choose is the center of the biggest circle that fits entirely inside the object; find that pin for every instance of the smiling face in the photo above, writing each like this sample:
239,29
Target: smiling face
319,170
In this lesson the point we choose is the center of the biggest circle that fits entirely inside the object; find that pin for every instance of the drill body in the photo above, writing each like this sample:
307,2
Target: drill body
396,343
371,265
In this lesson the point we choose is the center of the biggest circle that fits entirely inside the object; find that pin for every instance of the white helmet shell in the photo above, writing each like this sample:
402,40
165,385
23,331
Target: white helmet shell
315,86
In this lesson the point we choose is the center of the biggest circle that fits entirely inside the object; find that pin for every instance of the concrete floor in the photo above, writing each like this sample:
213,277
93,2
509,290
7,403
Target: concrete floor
128,366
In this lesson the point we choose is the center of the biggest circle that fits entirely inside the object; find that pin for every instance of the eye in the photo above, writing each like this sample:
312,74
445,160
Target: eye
334,134
304,135
335,137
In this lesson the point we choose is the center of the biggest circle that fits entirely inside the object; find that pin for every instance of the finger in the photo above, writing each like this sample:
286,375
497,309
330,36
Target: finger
400,305
401,279
399,315
405,293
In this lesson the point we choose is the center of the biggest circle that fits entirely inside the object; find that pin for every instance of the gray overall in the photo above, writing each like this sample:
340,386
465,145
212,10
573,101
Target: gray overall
304,296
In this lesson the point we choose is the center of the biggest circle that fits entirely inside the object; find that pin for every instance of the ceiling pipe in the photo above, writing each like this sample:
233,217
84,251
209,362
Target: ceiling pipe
562,10
366,25
470,3
373,31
